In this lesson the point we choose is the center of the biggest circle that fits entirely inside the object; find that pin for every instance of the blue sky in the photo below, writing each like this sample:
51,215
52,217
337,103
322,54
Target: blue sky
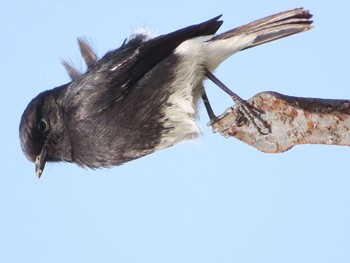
215,200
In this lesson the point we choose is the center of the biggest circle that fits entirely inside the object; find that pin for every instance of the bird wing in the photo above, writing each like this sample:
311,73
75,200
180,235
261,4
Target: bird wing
115,74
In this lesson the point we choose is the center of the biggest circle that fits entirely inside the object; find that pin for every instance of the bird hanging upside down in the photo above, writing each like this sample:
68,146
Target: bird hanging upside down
143,96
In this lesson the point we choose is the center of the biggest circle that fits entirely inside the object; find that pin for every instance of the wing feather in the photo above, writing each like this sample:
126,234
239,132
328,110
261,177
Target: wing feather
115,74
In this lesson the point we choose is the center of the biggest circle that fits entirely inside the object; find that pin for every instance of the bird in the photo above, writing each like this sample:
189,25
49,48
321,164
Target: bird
141,97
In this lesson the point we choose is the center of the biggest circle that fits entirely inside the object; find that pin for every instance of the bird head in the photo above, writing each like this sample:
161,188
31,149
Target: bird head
41,130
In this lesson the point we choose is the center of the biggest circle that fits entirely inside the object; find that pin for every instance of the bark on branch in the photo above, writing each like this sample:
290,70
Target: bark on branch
292,121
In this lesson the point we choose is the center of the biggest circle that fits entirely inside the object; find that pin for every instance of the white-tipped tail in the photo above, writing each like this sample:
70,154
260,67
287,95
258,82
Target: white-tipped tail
258,32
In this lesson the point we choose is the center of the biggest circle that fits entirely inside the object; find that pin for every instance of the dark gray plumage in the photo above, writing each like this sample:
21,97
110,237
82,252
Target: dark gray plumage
140,97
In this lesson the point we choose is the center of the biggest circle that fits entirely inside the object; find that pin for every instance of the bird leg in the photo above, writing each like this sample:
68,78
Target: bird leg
211,114
241,105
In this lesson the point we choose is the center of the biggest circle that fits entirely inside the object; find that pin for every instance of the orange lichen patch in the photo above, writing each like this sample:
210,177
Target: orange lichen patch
277,103
341,117
293,113
310,126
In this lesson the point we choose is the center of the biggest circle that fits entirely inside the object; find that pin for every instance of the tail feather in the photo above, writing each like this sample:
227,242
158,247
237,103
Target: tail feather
272,27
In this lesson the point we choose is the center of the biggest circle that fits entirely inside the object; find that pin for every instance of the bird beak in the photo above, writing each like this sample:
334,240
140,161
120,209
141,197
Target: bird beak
40,162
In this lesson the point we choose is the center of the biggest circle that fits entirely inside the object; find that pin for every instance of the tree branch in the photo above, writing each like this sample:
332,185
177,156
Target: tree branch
292,121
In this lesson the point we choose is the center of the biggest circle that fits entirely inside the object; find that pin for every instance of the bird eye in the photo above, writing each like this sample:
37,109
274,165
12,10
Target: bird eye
43,126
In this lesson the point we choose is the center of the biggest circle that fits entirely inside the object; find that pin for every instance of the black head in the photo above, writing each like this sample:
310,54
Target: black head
42,131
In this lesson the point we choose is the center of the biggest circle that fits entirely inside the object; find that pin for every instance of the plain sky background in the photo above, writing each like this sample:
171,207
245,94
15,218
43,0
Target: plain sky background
215,200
